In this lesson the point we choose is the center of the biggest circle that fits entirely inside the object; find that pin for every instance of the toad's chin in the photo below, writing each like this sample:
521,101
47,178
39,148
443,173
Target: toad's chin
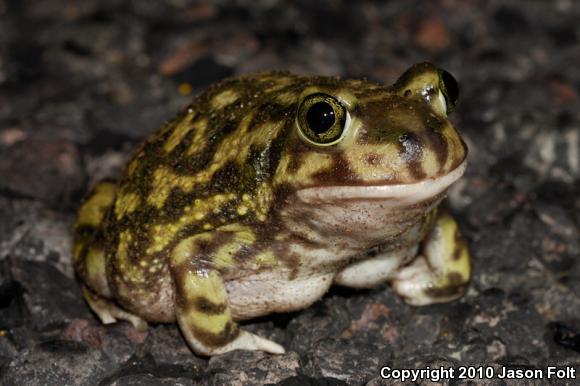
390,195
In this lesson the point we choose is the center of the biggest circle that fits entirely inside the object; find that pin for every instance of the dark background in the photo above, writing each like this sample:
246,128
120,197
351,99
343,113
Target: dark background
82,82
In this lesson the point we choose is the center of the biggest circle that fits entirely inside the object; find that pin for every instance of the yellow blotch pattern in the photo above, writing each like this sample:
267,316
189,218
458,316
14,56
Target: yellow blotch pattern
260,204
448,246
95,264
235,146
94,209
224,255
163,233
429,163
312,163
286,98
126,204
244,237
208,285
224,98
243,233
183,127
130,273
455,147
187,248
164,180
77,249
198,141
265,258
390,164
132,166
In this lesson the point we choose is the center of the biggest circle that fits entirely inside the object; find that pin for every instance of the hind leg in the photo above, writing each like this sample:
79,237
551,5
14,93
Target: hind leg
202,305
89,257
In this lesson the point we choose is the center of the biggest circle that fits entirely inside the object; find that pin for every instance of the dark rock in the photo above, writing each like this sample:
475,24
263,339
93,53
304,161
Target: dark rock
41,282
345,360
565,336
11,304
57,363
143,370
303,380
47,170
167,345
250,368
119,341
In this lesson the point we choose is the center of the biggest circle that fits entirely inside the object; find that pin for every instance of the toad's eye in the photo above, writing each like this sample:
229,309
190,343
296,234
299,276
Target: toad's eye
322,119
450,90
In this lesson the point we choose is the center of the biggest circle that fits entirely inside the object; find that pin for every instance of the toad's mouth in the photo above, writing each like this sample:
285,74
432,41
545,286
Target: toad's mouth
402,194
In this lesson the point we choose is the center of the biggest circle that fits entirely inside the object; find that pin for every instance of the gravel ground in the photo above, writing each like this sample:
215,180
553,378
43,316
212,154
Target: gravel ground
82,82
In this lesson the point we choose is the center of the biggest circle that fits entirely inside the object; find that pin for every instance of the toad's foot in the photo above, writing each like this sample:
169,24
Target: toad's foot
109,312
442,273
248,341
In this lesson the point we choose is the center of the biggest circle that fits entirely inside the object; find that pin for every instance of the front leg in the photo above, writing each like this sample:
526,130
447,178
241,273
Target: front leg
202,305
443,270
375,270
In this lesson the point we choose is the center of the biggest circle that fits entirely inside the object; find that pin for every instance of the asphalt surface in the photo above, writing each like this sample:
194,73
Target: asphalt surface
82,83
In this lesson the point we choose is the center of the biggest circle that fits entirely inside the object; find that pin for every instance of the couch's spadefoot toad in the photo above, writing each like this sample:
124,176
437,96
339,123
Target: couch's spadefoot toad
269,189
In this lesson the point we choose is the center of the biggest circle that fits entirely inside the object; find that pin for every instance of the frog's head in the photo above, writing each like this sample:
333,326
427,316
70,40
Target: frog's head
361,142
356,139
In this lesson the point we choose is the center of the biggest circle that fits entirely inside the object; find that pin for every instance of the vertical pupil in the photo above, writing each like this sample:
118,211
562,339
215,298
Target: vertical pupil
320,117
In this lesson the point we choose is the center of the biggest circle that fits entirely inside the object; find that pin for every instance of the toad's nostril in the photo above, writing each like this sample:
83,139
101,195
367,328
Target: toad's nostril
408,139
403,137
410,146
